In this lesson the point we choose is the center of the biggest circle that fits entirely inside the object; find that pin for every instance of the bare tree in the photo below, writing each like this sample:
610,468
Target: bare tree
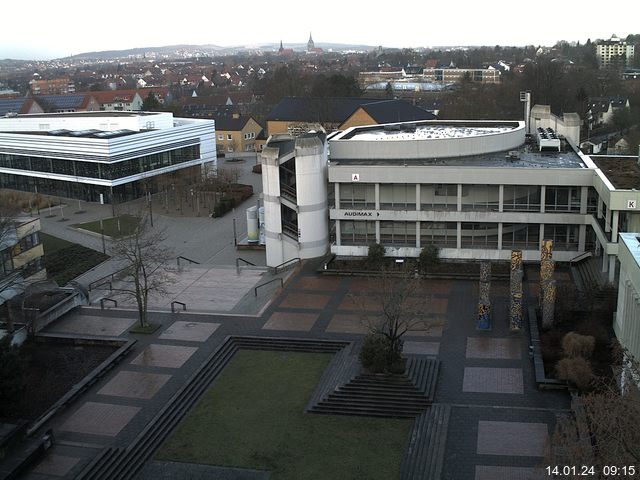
146,270
604,428
401,302
10,277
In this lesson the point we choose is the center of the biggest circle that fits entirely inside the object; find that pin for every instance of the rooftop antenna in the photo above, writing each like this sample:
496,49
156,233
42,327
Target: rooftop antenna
525,97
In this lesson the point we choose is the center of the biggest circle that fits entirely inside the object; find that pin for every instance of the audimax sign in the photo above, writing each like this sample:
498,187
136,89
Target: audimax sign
361,213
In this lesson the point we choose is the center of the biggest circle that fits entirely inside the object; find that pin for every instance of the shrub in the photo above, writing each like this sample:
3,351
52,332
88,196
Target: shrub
429,256
375,256
576,370
375,352
575,345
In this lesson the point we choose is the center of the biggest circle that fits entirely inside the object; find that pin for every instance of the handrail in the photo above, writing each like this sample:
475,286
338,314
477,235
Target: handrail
184,306
580,257
255,290
187,259
283,264
239,259
101,281
102,300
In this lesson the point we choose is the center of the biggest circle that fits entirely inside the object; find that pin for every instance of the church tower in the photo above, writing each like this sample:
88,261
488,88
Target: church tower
281,47
310,45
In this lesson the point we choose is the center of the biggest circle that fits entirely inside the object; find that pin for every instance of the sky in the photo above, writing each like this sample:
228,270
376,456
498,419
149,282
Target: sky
42,29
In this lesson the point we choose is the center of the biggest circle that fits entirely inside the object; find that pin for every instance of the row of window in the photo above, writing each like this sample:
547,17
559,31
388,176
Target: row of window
246,136
105,171
26,243
523,198
445,234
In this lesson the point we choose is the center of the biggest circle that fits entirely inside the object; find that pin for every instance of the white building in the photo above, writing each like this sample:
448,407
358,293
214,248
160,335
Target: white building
475,189
607,51
627,320
294,173
96,155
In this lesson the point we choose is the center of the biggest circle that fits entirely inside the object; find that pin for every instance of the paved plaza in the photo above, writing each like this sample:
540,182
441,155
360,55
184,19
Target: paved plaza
499,420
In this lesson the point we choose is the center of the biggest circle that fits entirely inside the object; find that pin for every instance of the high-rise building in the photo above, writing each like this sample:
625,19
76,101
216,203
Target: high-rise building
614,50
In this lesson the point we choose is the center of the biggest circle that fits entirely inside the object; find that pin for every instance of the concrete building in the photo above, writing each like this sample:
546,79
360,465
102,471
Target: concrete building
236,133
119,100
98,156
456,75
627,319
614,50
56,86
475,189
294,172
21,257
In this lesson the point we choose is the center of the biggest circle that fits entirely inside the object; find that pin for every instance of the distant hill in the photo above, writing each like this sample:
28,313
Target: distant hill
176,50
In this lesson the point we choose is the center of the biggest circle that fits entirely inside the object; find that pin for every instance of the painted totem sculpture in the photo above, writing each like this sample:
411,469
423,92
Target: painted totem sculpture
484,302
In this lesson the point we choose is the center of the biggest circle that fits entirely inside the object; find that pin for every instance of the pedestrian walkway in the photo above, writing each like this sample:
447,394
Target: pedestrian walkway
498,423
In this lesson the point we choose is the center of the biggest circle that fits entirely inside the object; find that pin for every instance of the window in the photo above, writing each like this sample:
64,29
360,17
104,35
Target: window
220,136
357,195
398,196
521,198
480,197
521,236
440,234
229,136
439,197
354,232
480,235
398,234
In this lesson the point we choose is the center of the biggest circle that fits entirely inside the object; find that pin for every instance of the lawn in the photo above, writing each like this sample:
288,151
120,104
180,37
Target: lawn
120,226
253,417
65,260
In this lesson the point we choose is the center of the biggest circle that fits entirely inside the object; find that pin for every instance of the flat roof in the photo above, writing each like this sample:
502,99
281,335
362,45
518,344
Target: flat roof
428,129
622,172
526,156
420,132
632,241
102,113
89,133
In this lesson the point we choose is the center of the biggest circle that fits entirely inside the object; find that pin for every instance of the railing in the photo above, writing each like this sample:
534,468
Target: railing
255,290
187,259
102,300
239,259
580,257
173,304
283,265
106,279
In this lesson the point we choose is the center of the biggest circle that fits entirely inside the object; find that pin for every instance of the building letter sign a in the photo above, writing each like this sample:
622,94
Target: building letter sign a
631,204
355,177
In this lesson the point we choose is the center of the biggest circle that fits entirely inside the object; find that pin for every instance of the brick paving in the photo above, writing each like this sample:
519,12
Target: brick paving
299,322
512,438
493,348
492,380
100,418
189,331
56,465
313,306
168,356
492,472
134,384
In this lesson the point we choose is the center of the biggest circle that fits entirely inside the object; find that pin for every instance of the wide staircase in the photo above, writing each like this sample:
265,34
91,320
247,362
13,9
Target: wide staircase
406,395
123,463
424,458
588,271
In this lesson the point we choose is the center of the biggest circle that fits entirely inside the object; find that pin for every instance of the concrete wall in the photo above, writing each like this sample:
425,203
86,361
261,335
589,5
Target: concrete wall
627,319
353,148
568,125
311,180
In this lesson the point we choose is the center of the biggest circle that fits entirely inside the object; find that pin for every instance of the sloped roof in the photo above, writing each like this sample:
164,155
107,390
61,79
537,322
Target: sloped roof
63,102
389,111
317,109
13,105
228,123
111,96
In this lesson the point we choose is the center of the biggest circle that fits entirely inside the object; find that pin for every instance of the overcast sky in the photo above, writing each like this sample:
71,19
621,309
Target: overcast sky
42,29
